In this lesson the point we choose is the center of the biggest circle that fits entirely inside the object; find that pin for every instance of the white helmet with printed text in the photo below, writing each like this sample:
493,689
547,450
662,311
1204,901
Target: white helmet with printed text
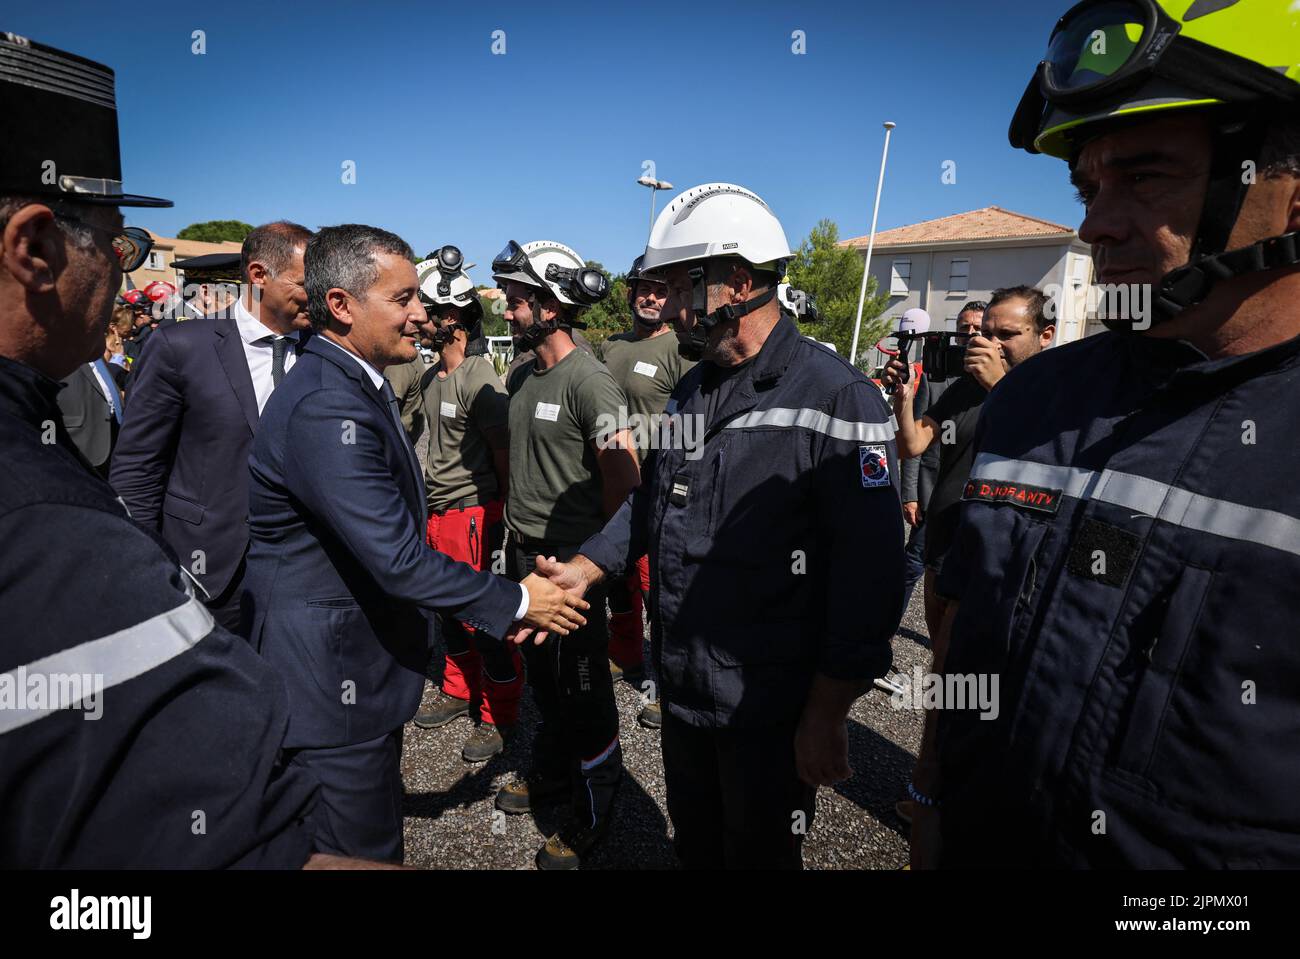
717,219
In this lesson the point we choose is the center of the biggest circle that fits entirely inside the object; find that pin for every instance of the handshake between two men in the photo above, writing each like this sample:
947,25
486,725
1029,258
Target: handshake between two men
561,584
555,602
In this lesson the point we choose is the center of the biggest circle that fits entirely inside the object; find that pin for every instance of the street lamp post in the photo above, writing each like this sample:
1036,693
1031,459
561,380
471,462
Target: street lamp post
654,186
871,244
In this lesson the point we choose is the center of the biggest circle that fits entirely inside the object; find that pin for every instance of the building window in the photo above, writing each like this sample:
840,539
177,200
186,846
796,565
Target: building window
959,278
1079,271
900,275
155,261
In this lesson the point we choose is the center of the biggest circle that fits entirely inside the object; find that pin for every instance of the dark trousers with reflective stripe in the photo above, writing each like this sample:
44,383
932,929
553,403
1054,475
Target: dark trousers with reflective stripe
734,796
571,683
359,812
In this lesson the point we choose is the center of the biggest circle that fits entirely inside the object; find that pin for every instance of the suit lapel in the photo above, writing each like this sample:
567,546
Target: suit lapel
230,351
335,354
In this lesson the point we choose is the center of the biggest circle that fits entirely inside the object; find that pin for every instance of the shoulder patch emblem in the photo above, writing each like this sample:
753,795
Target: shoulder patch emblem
874,463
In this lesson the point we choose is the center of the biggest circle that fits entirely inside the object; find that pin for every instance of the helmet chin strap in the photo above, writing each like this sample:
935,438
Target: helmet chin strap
1210,261
534,335
706,321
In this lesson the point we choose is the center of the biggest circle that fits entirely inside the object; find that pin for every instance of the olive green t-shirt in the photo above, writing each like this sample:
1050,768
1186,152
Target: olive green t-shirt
466,410
647,370
555,416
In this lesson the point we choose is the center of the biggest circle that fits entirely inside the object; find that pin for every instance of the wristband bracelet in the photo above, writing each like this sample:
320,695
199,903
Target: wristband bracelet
920,798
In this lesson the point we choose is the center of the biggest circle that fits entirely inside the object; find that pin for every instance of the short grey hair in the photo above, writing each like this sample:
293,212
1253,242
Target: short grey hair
80,235
344,257
273,244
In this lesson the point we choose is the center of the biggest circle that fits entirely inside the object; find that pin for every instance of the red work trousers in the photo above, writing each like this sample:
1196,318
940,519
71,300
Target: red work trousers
479,667
626,636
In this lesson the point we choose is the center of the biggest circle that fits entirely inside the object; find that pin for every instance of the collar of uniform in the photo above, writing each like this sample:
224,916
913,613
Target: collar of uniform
1188,365
27,392
777,351
372,374
251,329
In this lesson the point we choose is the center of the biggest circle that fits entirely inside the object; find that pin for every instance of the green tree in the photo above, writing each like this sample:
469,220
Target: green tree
214,231
832,275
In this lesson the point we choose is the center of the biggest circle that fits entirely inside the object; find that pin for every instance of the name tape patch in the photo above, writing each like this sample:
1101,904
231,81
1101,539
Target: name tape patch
547,411
448,409
873,462
645,369
1017,494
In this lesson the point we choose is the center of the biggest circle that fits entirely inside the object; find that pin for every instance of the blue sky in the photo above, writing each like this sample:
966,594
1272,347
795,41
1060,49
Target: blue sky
453,144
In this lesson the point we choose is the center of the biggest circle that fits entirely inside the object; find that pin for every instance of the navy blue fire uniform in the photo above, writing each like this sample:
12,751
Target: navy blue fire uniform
133,732
774,530
1127,566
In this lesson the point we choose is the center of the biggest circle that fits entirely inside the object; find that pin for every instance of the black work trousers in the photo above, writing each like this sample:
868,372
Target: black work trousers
571,684
734,796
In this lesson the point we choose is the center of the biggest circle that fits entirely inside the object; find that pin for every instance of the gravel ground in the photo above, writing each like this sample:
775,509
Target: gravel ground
449,812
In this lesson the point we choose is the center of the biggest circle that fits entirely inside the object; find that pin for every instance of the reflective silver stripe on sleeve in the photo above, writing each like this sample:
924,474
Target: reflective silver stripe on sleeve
115,658
1161,501
818,422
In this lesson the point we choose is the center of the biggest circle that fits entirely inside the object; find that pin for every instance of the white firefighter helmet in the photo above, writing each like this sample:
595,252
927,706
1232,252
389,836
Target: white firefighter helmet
717,219
444,279
546,264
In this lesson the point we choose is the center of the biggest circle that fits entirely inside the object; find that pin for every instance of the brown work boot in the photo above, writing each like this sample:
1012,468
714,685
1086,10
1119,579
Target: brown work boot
522,795
443,710
484,742
567,847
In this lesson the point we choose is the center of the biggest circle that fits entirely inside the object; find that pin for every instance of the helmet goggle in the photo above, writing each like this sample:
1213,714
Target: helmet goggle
512,261
583,284
1103,48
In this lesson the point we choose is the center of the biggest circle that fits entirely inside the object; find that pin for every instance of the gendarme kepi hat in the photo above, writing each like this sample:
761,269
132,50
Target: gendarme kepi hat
58,124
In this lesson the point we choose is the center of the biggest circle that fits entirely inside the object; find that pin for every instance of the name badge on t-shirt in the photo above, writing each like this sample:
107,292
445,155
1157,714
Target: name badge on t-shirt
448,409
645,369
547,411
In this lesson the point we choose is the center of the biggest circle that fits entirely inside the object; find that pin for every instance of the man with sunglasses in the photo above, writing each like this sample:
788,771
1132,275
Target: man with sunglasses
197,394
466,475
772,521
171,756
1129,544
568,472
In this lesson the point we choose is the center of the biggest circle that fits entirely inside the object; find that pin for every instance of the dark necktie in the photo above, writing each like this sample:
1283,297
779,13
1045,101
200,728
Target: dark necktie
395,414
279,345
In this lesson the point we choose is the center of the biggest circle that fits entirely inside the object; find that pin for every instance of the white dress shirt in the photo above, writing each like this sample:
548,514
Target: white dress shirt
257,351
104,387
378,379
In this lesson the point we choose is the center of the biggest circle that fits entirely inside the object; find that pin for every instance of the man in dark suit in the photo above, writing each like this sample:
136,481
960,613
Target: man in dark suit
341,588
196,394
92,412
